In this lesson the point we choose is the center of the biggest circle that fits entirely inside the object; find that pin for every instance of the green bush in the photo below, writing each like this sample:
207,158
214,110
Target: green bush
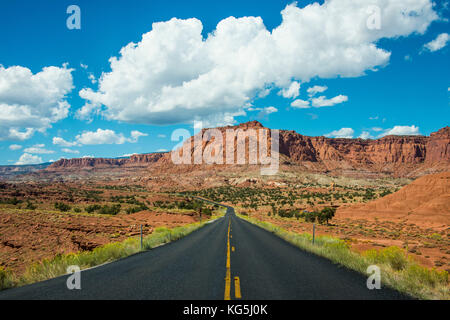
392,256
112,210
62,206
92,208
6,280
431,277
30,205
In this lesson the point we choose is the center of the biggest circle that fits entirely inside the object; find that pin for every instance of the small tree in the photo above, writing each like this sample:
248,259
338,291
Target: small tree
327,214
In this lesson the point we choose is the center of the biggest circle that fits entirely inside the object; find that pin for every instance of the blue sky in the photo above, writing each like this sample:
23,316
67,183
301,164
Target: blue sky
408,92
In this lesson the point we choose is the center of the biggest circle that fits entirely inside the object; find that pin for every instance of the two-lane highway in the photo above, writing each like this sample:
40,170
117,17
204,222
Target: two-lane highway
227,259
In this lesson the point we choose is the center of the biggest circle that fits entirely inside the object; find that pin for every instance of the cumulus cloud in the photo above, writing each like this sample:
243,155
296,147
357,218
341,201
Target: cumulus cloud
322,101
67,150
301,104
266,111
292,91
438,43
174,75
101,136
107,136
401,131
341,133
39,149
27,158
32,102
316,89
63,143
15,147
365,135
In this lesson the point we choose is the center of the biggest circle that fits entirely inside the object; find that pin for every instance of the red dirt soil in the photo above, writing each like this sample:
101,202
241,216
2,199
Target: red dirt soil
425,202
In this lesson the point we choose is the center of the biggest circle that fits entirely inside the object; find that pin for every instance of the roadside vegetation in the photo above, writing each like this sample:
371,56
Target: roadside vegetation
57,266
285,199
397,270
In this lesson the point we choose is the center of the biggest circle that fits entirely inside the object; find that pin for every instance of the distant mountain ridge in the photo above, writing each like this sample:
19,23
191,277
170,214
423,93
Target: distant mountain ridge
391,155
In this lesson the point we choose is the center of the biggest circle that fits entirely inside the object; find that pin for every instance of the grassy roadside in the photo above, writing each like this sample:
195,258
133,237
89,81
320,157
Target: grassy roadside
57,266
397,270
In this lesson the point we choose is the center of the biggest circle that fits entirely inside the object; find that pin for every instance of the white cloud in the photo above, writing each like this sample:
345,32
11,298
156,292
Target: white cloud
266,111
63,143
438,43
316,89
341,133
174,75
27,158
39,149
374,118
365,135
15,147
264,93
67,150
162,136
135,135
92,78
84,66
292,91
401,131
299,103
161,150
106,137
322,101
32,102
101,136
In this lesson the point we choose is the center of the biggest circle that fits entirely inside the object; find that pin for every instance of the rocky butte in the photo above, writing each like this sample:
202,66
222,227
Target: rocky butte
397,156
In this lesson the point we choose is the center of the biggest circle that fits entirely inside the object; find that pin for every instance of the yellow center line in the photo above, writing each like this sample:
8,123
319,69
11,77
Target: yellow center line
228,273
237,288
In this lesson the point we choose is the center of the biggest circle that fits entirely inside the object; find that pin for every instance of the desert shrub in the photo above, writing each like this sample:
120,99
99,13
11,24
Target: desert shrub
30,205
139,208
431,277
206,211
77,210
14,201
436,236
112,210
62,206
286,213
93,207
5,278
392,256
310,216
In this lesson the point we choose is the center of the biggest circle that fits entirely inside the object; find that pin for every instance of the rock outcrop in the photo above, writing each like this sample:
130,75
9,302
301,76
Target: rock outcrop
391,155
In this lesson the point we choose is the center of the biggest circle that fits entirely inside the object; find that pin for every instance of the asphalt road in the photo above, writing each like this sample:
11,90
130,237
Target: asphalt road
228,258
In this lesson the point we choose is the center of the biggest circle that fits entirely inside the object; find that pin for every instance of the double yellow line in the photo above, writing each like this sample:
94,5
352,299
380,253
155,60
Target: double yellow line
237,285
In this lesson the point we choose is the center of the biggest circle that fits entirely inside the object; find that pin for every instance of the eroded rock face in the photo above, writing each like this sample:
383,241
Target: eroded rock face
393,155
438,146
86,163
